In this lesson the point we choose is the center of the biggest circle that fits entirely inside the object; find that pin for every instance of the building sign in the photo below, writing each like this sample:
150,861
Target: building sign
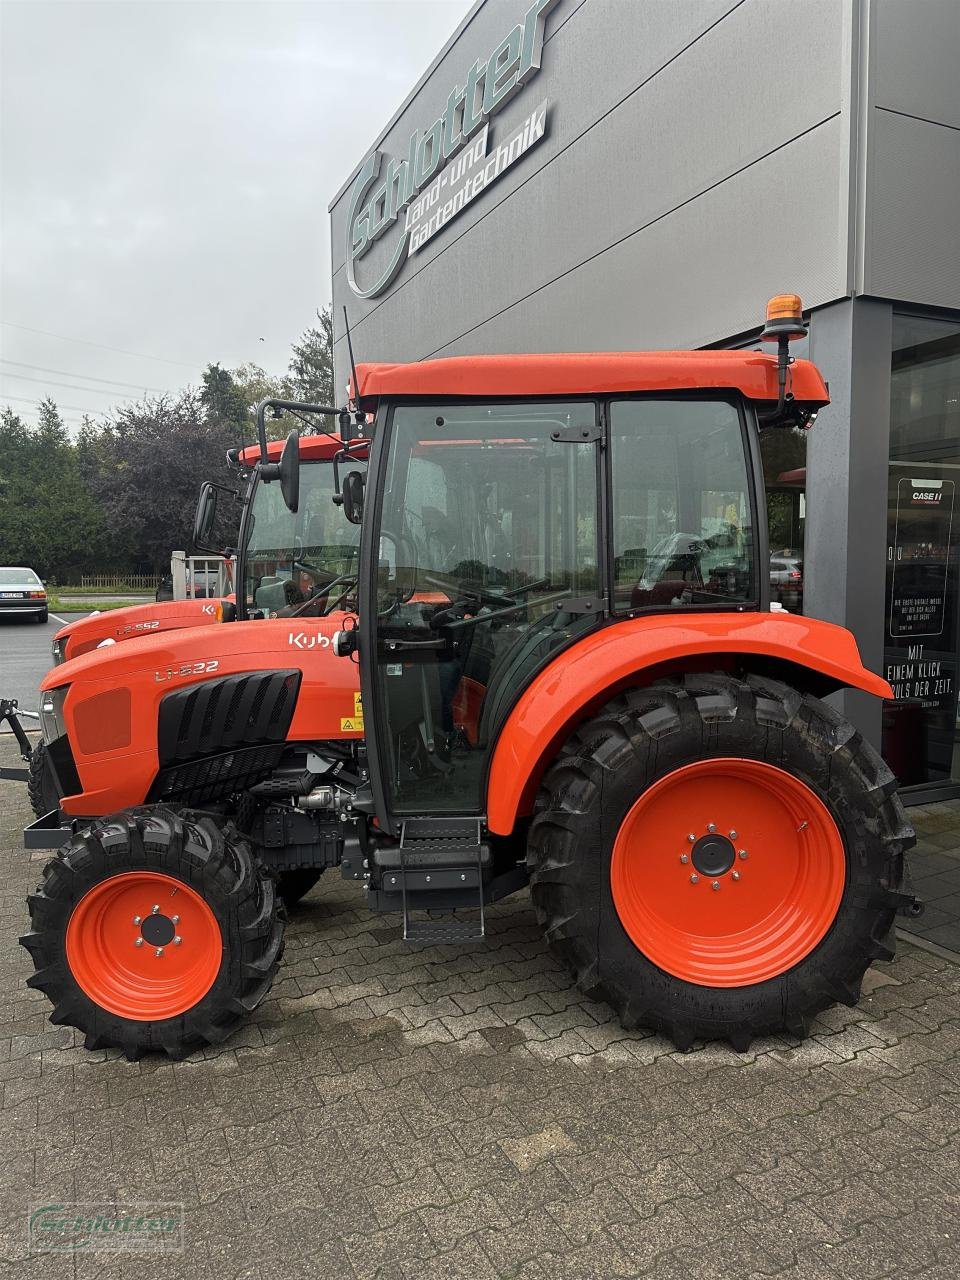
449,164
920,659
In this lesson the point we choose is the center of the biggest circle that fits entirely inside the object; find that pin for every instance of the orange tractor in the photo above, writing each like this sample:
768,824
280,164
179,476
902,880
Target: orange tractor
516,684
101,629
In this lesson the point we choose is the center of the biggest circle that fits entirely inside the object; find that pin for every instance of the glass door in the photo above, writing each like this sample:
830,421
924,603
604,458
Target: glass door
487,563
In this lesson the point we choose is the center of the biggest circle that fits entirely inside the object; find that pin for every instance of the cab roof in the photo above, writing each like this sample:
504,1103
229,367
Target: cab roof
312,449
753,373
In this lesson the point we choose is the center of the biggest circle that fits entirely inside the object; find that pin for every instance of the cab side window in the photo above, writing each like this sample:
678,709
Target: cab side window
682,519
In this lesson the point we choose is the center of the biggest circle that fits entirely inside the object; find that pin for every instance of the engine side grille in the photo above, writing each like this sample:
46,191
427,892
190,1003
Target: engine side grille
233,711
204,781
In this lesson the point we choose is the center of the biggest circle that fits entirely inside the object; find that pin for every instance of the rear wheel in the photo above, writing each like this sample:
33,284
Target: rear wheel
718,858
154,930
41,787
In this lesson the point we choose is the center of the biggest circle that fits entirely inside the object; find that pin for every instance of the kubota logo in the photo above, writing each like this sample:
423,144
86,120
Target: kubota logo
302,641
488,86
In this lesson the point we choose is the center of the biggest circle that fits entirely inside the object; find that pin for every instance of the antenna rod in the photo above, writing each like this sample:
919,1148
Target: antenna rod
353,367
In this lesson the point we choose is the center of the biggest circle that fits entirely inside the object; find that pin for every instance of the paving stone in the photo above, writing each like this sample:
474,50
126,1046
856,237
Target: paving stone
398,1113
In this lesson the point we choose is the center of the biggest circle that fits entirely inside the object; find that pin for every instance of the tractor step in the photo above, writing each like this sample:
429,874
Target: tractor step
449,929
432,858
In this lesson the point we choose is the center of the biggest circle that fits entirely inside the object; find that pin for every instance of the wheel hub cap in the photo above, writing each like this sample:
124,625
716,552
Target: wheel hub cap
713,855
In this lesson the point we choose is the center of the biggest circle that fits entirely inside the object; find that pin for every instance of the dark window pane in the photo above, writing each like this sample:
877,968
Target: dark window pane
921,629
682,523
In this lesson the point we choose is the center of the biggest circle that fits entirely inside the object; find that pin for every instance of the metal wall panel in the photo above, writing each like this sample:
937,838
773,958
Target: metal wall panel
911,227
916,56
912,250
658,217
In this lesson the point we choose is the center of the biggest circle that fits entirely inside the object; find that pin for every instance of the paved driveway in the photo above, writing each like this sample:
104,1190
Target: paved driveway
464,1113
25,655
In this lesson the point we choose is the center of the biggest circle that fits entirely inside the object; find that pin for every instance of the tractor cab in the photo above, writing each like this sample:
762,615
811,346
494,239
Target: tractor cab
303,562
501,529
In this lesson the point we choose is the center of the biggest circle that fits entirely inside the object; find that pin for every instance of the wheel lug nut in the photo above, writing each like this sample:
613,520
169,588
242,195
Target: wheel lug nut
159,951
733,835
711,827
138,942
694,879
684,859
736,875
177,940
716,884
174,919
743,853
154,909
136,919
692,838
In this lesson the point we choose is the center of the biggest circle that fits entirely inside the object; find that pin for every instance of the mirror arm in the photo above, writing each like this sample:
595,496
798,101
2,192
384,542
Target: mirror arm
278,406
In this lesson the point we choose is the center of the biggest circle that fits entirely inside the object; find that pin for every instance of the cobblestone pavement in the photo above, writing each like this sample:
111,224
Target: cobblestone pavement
935,870
464,1113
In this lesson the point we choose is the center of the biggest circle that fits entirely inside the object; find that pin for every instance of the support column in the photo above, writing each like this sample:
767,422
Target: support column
848,450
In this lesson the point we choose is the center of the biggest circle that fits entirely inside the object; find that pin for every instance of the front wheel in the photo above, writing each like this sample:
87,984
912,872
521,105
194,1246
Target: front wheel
154,930
718,858
41,787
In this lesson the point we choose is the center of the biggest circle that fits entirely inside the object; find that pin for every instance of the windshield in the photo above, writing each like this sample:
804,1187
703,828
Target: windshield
301,564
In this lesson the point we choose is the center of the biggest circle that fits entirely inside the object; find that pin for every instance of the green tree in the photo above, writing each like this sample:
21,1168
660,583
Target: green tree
311,364
222,399
48,517
146,465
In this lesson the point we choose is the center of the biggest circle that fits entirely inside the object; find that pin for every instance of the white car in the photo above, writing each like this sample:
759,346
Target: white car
22,594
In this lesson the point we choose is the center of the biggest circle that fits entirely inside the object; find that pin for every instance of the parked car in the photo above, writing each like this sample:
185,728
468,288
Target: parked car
786,579
22,594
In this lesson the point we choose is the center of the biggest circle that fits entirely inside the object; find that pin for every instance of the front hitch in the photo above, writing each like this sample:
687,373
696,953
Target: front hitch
9,712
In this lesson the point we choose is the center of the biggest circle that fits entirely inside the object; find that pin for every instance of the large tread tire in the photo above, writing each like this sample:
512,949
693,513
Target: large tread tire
216,862
41,787
294,885
642,735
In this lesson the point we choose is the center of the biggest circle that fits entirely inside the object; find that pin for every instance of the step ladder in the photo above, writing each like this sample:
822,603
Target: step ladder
441,855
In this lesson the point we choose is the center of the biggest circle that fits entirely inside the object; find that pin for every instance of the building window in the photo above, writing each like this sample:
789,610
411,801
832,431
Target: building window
922,613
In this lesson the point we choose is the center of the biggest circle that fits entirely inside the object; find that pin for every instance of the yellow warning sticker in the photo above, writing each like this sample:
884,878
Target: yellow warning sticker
357,705
351,724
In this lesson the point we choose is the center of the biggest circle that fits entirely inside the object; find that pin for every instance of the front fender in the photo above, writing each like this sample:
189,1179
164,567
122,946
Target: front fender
614,657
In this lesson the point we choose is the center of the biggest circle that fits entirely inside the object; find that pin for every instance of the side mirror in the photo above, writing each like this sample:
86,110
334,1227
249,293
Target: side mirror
353,483
205,519
290,472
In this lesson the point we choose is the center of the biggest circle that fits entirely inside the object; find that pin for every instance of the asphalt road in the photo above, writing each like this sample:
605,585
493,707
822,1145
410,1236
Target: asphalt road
25,656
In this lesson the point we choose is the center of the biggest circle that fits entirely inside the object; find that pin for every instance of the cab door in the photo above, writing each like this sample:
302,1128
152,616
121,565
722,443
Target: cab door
480,560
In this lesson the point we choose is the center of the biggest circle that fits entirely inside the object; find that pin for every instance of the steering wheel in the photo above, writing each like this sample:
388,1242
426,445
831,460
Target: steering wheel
324,589
469,593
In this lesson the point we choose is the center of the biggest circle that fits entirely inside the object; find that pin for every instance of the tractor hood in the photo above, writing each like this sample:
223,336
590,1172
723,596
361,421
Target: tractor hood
128,624
109,707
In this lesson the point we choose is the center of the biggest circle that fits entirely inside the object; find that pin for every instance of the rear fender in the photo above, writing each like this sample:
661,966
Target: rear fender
633,652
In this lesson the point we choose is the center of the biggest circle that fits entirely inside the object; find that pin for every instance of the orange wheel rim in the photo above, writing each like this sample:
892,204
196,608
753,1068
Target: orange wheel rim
727,872
144,946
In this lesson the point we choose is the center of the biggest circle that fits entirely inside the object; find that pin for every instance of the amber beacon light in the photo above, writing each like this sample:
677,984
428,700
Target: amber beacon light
784,318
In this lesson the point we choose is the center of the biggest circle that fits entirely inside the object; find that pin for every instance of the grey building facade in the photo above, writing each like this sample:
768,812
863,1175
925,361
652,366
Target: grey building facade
584,175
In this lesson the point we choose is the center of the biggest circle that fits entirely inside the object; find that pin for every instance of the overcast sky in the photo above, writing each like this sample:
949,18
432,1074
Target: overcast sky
166,167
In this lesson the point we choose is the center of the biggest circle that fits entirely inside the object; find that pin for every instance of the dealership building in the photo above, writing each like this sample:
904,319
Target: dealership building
606,175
